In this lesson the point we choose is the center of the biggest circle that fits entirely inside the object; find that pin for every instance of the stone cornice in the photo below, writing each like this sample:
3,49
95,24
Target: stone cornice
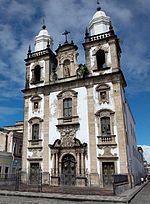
114,77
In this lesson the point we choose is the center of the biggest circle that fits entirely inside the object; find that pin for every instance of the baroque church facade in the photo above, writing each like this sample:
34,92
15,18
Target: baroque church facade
78,127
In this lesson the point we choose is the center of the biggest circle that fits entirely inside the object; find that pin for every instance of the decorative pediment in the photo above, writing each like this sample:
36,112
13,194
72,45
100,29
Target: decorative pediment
36,98
67,93
102,87
35,120
104,112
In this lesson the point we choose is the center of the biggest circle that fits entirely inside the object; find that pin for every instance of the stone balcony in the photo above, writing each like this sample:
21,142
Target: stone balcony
35,144
108,140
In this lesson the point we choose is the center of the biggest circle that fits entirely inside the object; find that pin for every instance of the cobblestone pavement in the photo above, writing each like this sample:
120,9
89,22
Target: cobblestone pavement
26,200
143,197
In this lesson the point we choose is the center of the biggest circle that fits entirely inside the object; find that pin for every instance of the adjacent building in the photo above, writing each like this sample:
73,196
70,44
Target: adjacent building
78,127
10,150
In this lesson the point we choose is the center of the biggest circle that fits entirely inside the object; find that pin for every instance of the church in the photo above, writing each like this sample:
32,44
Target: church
78,126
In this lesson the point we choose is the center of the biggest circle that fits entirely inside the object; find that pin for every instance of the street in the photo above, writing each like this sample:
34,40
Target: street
26,200
143,196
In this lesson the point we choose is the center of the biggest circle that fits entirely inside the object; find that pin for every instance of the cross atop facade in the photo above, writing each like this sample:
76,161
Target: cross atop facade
66,34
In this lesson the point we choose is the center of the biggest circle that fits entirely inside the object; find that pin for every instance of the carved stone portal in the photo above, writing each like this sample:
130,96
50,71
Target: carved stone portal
68,144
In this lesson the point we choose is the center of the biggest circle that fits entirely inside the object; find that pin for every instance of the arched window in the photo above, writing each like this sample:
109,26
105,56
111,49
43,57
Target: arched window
37,73
35,132
66,68
67,108
100,57
105,126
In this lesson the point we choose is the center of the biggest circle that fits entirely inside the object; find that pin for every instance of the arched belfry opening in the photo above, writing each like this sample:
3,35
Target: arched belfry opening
68,170
37,73
100,57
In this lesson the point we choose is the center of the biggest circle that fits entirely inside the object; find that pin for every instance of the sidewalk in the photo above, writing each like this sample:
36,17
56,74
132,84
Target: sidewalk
122,198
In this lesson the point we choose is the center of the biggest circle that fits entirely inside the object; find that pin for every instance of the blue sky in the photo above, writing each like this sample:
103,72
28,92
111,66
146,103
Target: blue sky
21,21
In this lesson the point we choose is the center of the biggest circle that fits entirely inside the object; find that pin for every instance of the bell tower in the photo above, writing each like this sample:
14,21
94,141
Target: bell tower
102,50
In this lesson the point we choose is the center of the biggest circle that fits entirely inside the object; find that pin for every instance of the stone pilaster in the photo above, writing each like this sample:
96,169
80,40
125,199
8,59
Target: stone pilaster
114,55
119,111
25,135
45,131
92,138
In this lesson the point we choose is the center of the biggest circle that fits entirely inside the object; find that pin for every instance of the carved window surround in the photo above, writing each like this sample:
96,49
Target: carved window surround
105,113
32,121
103,93
106,50
33,81
36,102
61,96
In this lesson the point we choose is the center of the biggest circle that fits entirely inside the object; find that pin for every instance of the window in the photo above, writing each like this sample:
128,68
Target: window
6,172
36,102
105,126
36,105
103,93
67,108
100,56
37,73
35,131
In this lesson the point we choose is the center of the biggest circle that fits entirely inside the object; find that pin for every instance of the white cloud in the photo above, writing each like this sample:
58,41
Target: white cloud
146,152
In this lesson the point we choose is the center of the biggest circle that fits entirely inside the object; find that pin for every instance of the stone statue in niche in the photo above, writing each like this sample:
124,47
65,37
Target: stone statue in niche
66,68
66,71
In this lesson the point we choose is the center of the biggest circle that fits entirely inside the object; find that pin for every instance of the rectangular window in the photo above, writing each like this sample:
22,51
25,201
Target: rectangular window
105,126
6,172
35,131
67,108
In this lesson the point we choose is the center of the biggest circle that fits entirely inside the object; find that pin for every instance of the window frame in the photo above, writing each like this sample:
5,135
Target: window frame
35,131
105,113
67,108
67,94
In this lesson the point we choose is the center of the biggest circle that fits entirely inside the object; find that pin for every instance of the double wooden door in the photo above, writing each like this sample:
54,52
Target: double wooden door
108,171
68,176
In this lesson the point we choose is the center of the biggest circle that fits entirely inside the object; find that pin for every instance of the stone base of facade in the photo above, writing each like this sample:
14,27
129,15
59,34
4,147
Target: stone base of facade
55,180
23,176
46,178
94,179
81,181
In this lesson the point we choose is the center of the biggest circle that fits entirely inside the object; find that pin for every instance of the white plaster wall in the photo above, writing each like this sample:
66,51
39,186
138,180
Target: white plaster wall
53,132
82,111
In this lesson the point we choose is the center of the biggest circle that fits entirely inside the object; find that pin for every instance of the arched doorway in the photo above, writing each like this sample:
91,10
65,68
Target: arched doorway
68,170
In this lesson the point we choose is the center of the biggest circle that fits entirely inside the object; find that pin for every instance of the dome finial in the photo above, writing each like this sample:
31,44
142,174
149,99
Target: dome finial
98,6
44,26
